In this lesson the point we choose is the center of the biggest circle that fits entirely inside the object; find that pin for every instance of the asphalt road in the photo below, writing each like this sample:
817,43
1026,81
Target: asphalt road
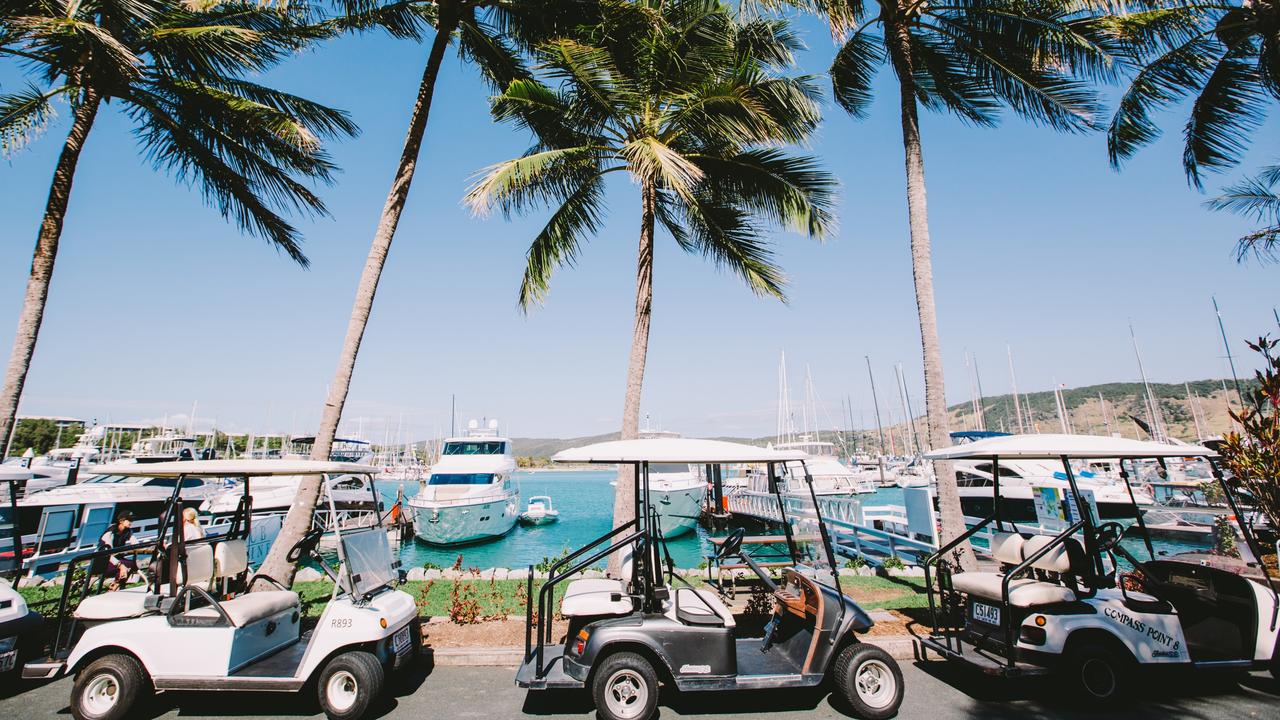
935,691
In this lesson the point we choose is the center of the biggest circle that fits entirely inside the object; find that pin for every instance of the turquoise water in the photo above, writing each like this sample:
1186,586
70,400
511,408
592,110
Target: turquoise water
585,502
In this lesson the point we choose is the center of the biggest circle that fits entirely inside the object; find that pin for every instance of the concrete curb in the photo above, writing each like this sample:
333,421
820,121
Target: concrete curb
901,647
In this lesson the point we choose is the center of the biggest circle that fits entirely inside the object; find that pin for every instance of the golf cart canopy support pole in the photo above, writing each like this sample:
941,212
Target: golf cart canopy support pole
1137,511
1247,531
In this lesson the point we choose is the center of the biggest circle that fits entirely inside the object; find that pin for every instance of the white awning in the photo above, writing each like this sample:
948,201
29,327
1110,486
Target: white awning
1044,447
230,468
674,450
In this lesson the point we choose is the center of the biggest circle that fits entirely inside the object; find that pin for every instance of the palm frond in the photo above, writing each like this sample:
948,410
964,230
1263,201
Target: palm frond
1256,199
1164,81
1231,104
532,180
791,191
24,116
725,234
652,160
558,243
853,71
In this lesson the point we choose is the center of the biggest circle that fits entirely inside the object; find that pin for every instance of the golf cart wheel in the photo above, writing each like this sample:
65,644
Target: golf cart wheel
869,680
349,684
1097,674
108,688
625,688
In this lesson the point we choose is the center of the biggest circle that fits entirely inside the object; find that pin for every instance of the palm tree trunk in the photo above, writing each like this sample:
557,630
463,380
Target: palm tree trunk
299,518
55,211
624,510
935,398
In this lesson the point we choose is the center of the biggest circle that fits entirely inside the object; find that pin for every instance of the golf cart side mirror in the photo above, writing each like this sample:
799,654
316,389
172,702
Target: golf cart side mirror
403,576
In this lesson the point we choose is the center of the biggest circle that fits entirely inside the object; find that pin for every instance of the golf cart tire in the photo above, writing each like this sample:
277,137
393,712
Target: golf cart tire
625,667
876,702
349,684
1098,674
117,674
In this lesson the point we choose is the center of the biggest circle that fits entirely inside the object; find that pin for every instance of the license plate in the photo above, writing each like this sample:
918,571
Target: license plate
983,613
401,640
7,660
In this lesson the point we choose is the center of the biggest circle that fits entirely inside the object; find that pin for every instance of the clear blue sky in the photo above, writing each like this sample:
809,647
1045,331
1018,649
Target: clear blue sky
157,303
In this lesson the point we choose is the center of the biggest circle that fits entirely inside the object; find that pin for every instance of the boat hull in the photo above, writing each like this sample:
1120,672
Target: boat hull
678,508
461,524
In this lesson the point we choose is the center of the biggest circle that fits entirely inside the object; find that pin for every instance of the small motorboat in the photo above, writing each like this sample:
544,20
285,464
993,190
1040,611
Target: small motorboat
540,512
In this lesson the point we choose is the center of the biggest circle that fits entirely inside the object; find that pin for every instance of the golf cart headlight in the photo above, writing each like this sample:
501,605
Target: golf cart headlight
383,623
580,643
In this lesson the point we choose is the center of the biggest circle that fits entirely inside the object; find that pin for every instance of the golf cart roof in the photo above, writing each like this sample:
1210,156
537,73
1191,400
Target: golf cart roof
1045,447
674,450
228,468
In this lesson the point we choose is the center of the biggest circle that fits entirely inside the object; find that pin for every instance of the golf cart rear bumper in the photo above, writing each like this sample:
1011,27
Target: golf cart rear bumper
985,660
557,671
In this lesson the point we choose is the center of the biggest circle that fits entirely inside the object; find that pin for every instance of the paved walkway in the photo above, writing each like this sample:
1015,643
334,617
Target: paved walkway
935,691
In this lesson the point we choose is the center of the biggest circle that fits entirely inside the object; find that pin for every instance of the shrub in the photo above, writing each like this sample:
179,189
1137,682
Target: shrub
1254,457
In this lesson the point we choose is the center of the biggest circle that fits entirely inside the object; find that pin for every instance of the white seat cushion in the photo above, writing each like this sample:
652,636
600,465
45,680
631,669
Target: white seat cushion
594,596
115,605
199,566
1056,560
252,607
230,558
1023,592
700,602
1007,547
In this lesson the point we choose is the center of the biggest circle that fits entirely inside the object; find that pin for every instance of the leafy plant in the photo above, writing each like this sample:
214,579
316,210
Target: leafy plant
855,563
893,562
1254,456
464,605
428,565
548,562
1224,537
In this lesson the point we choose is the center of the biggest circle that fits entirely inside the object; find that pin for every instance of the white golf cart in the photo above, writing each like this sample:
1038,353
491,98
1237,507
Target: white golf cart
1052,602
196,625
627,635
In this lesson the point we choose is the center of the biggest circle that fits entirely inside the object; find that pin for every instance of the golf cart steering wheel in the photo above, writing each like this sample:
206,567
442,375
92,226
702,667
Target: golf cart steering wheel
1108,536
305,545
732,544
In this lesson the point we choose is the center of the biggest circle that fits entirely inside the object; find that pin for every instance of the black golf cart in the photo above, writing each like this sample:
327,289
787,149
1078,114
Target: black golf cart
1070,596
627,635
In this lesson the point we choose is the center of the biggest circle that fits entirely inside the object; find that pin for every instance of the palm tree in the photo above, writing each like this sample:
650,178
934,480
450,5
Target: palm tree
969,58
489,34
177,71
1258,199
691,104
1227,56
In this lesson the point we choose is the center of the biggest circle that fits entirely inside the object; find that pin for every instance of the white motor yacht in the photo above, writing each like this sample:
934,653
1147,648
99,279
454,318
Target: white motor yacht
470,495
676,492
1017,478
830,476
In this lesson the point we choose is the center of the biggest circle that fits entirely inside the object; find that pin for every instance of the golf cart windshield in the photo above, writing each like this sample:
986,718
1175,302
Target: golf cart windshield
368,560
811,545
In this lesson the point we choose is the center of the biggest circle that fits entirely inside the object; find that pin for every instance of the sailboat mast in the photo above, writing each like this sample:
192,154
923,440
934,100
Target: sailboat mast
875,402
1013,380
911,440
1227,346
1153,410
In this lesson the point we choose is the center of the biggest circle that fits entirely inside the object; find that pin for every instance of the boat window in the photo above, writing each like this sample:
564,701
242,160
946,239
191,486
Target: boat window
162,482
668,468
460,479
109,479
1005,470
964,479
348,484
192,482
488,447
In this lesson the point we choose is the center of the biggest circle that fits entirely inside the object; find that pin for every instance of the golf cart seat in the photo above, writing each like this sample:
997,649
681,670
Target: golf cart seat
590,597
699,607
1010,549
114,605
252,607
198,569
